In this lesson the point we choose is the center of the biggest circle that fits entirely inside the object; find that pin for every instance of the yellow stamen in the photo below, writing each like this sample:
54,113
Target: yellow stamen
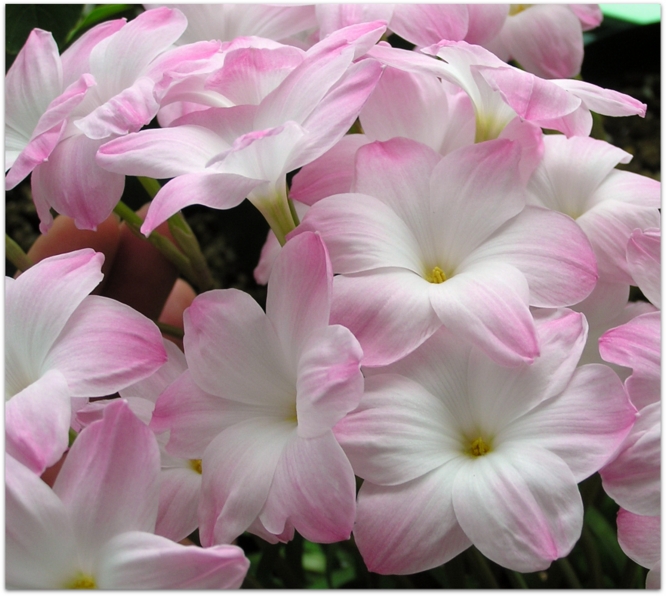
515,9
82,582
437,276
479,447
195,464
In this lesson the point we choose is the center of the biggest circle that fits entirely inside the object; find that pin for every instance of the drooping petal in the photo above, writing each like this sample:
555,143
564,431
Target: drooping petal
74,185
109,481
142,561
520,506
105,346
238,469
410,527
313,489
197,189
330,382
38,305
37,422
40,549
584,425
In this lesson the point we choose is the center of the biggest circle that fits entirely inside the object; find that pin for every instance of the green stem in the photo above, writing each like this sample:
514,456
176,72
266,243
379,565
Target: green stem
479,562
151,185
170,330
592,555
162,243
569,573
517,580
15,255
189,244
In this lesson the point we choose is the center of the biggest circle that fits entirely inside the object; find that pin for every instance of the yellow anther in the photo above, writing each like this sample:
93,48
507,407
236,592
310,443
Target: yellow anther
82,582
479,447
515,9
195,464
437,276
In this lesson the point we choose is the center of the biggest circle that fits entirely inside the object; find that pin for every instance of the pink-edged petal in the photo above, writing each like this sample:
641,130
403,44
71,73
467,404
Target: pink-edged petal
299,292
233,351
399,432
637,345
550,250
179,500
590,15
37,307
197,189
193,416
48,131
161,153
499,395
520,506
410,527
546,41
633,478
313,489
473,191
106,346
388,311
609,226
330,382
640,538
337,112
332,17
109,481
150,388
37,422
40,549
584,425
602,101
238,469
330,174
398,173
32,82
74,185
142,561
487,304
644,259
121,58
425,24
362,233
485,21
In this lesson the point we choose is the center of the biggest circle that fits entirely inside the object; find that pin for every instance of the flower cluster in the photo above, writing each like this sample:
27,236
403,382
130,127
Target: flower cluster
447,314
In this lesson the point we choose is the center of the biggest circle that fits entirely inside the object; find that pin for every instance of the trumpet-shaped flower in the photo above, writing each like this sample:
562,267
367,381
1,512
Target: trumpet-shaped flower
248,149
61,343
94,529
259,400
426,241
456,450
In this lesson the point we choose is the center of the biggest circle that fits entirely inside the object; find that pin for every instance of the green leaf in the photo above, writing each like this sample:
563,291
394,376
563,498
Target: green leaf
103,12
21,19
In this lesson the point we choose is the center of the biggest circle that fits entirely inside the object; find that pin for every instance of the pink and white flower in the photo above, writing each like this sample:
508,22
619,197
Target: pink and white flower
640,539
61,344
425,241
259,400
457,450
94,529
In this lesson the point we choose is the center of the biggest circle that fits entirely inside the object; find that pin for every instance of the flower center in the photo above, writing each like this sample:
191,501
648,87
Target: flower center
515,9
479,447
195,464
437,276
82,582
